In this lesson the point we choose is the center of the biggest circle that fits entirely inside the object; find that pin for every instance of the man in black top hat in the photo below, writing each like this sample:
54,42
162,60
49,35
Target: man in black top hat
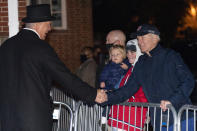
27,68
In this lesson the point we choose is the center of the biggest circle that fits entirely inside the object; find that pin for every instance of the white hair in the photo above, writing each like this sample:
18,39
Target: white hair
29,25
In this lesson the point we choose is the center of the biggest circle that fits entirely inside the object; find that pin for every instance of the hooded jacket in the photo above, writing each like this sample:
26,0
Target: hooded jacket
138,51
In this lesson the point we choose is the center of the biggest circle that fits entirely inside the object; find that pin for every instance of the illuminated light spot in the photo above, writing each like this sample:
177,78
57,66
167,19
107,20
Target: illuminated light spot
193,11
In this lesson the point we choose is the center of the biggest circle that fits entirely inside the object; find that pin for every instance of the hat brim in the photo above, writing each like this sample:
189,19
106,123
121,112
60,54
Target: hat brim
141,33
134,35
34,20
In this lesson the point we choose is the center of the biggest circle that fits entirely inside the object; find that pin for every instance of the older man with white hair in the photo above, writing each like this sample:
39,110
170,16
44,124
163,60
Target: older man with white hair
27,69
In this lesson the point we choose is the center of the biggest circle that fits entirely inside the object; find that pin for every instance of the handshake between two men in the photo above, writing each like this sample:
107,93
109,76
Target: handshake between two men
101,96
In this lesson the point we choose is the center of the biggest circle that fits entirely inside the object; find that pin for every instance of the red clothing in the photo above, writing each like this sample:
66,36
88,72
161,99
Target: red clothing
138,97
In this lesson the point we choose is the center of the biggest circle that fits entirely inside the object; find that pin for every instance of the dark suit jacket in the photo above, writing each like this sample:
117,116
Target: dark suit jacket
27,67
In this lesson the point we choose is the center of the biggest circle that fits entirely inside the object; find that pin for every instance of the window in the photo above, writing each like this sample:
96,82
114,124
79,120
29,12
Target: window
58,9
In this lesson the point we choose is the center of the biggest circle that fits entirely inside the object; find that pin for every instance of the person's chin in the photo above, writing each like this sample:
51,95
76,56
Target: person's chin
131,61
43,37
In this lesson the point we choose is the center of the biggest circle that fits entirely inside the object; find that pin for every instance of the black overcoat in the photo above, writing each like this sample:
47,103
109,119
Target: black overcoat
28,65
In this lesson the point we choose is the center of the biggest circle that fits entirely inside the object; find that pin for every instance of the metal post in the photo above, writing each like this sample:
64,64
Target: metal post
13,17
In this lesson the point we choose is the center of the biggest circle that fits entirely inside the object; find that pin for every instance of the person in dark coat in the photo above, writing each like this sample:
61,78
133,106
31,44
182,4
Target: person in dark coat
87,69
161,72
27,68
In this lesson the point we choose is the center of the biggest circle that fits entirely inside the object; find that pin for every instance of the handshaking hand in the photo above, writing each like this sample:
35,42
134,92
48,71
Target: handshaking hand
101,96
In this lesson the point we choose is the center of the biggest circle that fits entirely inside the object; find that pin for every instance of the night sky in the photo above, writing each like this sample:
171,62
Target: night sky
127,15
112,14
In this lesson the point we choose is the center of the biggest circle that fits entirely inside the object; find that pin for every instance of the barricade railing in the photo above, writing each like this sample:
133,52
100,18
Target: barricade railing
58,95
62,117
64,121
138,112
188,113
88,118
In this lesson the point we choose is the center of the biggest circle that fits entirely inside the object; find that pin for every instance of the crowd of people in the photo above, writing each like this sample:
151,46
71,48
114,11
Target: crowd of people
160,73
140,70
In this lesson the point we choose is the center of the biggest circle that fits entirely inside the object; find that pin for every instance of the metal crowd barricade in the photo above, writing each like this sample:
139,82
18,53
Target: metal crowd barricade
88,117
62,112
58,95
65,121
150,107
85,117
187,109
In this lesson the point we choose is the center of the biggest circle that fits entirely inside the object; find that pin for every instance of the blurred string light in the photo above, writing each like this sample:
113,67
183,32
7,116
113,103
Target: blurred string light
192,10
190,20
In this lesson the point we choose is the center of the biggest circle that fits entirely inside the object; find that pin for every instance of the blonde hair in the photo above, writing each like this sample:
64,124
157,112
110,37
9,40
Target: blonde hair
120,48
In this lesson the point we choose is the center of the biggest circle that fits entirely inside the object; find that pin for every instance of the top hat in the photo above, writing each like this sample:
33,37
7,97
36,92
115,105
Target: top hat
145,29
38,13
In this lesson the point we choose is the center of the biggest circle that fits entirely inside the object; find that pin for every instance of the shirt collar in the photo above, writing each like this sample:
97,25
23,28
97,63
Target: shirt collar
155,50
32,30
